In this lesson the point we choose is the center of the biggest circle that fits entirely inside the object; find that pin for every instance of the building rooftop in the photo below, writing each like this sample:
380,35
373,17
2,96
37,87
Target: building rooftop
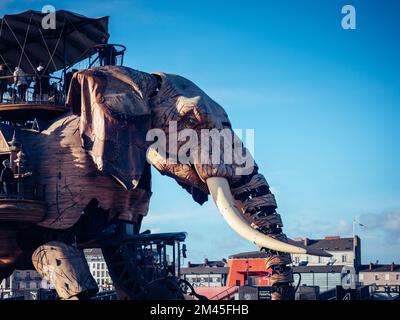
380,267
207,267
249,255
93,252
208,263
330,243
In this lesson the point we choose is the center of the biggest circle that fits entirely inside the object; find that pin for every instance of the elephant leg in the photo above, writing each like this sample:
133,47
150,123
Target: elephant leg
67,270
121,263
259,209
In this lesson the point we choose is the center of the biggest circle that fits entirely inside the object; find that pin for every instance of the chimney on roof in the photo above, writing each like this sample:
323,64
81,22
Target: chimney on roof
332,237
371,266
298,239
392,267
205,262
306,240
189,264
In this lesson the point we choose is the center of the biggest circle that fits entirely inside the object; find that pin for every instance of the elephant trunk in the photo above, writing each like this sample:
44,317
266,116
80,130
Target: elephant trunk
250,210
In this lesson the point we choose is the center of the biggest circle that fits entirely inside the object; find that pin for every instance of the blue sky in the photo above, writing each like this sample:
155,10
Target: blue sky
324,103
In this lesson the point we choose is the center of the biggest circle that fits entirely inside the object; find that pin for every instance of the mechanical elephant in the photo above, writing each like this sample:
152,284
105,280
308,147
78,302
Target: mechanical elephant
97,160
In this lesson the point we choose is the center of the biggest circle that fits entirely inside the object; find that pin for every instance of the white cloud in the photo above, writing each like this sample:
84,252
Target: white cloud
385,223
319,228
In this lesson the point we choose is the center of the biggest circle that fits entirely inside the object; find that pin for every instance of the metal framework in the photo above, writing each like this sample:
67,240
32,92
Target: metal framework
142,264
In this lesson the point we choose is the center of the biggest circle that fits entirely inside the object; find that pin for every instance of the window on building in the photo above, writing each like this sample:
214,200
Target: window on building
320,260
361,277
397,276
27,284
102,273
297,260
344,258
98,273
98,266
376,277
386,276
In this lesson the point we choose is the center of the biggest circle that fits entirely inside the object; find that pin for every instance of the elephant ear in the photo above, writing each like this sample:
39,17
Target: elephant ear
112,103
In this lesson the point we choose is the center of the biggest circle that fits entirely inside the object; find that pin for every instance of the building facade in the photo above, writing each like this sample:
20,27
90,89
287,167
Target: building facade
344,251
325,277
249,269
325,272
22,283
98,269
380,274
206,274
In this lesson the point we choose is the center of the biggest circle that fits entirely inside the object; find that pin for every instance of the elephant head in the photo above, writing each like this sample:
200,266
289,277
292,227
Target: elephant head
127,116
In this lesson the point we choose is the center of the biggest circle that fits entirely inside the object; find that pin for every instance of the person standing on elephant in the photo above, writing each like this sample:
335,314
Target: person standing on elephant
7,177
21,81
42,83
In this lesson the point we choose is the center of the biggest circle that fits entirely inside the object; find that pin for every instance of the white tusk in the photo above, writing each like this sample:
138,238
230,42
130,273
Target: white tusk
222,196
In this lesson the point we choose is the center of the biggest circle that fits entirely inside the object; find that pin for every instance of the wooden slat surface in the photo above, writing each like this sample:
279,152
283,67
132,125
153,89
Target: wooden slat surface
27,111
14,210
58,161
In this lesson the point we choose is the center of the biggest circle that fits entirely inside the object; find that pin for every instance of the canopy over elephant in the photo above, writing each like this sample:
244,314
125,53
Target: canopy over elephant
97,158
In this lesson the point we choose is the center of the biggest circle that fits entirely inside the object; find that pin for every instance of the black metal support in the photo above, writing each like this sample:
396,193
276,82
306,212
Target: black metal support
65,67
138,263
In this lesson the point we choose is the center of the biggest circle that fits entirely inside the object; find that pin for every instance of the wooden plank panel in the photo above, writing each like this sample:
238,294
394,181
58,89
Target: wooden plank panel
72,180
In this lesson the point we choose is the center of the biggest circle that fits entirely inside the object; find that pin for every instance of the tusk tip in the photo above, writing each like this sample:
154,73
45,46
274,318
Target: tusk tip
318,252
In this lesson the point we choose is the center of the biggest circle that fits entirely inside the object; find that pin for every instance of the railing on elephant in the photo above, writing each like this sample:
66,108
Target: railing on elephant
34,92
24,191
107,54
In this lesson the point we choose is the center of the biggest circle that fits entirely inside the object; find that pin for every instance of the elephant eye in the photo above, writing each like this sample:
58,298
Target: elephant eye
189,122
